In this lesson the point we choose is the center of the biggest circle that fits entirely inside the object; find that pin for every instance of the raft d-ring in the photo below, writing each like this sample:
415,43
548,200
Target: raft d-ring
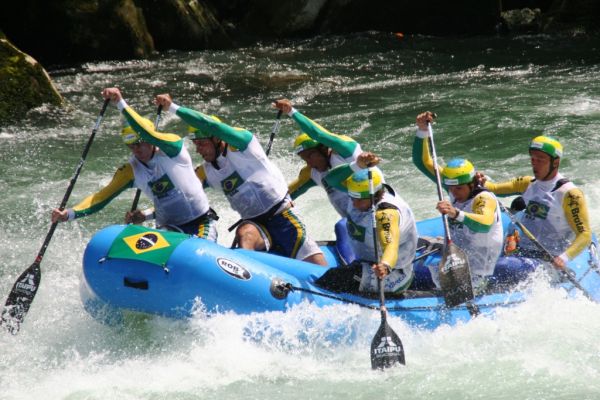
166,269
100,261
278,288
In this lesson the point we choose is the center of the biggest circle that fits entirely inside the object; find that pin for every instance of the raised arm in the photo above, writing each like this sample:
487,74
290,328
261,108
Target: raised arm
237,137
420,151
344,145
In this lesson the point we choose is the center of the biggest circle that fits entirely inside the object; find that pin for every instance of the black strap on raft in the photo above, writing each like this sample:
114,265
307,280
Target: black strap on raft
287,287
261,219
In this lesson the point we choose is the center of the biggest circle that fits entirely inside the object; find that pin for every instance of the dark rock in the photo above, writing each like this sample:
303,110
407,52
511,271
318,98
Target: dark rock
543,5
432,17
67,31
305,17
523,20
183,25
24,84
573,16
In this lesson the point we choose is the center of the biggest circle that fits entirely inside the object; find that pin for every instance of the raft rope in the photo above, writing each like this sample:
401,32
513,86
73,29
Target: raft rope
288,287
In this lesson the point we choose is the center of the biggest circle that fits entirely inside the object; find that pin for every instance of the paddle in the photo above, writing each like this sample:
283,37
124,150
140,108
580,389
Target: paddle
455,276
386,346
25,288
566,273
274,132
138,192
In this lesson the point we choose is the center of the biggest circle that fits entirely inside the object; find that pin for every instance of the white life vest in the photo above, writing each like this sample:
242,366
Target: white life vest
482,248
172,185
360,231
250,181
544,215
338,199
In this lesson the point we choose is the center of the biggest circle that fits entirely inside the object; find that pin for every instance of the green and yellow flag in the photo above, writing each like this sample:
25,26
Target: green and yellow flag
144,244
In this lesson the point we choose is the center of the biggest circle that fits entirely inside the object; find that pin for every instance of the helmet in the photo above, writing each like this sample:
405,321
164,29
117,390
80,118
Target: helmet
196,133
458,171
304,142
358,183
128,135
548,145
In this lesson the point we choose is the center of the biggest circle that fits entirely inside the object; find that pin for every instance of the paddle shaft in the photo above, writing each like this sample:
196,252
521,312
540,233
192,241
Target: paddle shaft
567,272
25,287
386,346
438,181
138,192
274,131
375,249
65,199
473,309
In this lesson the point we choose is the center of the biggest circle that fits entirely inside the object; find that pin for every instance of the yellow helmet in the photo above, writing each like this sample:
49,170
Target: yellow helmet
458,172
358,183
548,145
304,142
196,133
128,135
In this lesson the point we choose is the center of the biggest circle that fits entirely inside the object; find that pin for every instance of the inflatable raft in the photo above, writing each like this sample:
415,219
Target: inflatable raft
134,268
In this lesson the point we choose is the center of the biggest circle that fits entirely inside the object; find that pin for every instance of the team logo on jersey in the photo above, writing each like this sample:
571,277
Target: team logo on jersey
145,242
162,186
537,210
355,231
231,184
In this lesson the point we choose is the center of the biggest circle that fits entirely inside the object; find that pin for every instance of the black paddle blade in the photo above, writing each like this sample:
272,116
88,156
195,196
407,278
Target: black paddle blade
20,298
455,276
386,348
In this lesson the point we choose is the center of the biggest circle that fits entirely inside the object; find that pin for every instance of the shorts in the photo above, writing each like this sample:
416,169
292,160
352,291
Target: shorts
284,234
205,226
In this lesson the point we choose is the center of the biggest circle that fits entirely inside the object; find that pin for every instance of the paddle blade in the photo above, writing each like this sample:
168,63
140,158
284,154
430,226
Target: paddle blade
455,276
20,298
386,348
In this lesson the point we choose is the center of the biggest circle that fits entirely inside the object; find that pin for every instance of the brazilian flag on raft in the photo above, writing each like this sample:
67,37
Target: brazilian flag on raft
144,244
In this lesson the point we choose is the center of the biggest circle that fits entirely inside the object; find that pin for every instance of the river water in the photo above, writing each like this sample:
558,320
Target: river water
491,96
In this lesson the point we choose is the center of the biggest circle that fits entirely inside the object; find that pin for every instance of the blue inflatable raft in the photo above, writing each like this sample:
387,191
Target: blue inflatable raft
133,268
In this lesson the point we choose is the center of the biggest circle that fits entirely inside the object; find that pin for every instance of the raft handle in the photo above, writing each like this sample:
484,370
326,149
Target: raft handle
135,284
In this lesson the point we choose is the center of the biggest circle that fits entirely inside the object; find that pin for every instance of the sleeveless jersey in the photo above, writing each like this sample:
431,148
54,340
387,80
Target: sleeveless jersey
172,185
360,232
251,182
544,215
481,248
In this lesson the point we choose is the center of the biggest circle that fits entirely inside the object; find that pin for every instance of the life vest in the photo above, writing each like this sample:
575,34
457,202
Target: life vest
544,215
172,185
249,180
482,248
360,231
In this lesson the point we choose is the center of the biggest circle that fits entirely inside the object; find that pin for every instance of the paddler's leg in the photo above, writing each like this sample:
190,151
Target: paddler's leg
250,236
289,238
